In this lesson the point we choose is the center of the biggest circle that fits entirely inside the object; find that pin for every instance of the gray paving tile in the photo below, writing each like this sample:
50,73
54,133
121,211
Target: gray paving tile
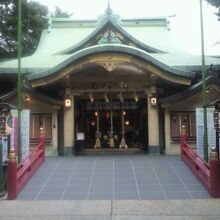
102,181
124,180
52,189
79,182
36,181
147,180
184,172
27,196
104,176
32,188
166,175
57,182
75,196
173,188
125,170
101,196
55,177
152,196
100,189
50,196
74,188
144,174
126,196
177,195
174,181
200,195
132,188
149,187
195,187
190,180
124,175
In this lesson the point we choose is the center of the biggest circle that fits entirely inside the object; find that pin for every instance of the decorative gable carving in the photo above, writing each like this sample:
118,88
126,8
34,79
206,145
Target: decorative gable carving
110,37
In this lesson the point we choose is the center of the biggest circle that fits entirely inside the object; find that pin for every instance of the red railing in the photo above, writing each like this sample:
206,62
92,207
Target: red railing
27,167
202,170
19,175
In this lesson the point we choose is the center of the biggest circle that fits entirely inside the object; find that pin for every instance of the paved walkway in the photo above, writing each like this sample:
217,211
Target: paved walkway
205,209
124,177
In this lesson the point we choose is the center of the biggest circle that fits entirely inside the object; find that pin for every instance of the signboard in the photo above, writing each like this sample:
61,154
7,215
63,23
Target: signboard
14,130
211,132
4,148
25,133
80,136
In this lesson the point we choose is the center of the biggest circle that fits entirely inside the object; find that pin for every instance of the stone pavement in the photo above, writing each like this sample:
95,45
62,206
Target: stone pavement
205,209
113,177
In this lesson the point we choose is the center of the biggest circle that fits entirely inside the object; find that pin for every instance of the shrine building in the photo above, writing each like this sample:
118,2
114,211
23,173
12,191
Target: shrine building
111,83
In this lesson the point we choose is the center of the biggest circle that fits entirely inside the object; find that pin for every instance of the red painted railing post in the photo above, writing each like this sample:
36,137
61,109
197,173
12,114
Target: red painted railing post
42,142
12,175
183,139
214,174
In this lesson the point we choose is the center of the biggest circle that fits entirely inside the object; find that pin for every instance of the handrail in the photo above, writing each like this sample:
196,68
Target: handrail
197,163
28,157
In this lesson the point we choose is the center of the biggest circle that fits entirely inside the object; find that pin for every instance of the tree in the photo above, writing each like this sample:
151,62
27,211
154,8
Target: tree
58,13
32,25
215,3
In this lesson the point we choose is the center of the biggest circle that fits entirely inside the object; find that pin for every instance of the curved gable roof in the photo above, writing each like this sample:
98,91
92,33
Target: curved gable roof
117,48
191,91
36,94
115,34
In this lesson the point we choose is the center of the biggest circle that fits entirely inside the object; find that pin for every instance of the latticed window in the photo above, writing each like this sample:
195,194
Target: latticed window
178,119
38,121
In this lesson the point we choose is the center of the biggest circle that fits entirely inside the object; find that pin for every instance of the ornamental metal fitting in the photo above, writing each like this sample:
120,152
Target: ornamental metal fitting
213,153
12,154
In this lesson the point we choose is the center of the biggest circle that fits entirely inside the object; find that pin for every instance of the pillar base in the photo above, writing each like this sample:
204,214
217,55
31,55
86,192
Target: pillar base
69,150
154,150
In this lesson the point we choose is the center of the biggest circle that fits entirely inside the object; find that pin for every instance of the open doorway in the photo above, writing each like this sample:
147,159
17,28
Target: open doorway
135,122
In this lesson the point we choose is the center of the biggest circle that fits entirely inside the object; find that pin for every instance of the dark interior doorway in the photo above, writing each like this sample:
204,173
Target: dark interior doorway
135,122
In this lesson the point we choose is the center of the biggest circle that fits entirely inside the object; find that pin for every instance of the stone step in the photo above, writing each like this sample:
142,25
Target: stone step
111,151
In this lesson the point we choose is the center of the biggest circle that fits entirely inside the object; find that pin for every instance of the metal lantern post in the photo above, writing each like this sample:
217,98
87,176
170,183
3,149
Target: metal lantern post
19,81
204,96
111,141
123,142
97,141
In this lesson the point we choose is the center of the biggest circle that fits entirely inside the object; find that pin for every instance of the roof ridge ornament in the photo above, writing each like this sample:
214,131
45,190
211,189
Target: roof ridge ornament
109,14
109,11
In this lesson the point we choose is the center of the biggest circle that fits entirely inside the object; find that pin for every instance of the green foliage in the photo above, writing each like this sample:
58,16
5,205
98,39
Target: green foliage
32,25
215,3
58,13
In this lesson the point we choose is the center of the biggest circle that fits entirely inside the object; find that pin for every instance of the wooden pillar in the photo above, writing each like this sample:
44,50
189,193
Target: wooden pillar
153,123
167,132
214,174
69,128
55,129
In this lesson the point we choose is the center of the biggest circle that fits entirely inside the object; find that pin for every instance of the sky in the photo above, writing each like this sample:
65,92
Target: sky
185,25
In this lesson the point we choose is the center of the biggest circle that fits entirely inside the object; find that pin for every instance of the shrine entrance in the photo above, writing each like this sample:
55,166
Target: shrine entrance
112,124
